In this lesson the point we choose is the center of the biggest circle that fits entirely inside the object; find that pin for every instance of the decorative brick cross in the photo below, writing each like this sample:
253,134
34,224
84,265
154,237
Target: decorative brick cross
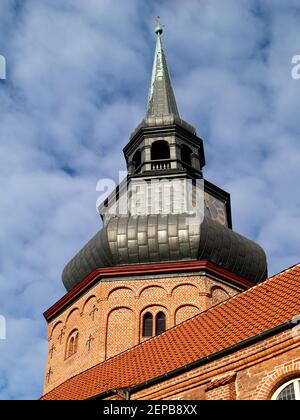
52,350
49,373
89,342
60,337
92,313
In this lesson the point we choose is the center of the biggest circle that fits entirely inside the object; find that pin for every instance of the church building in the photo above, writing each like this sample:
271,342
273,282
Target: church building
166,301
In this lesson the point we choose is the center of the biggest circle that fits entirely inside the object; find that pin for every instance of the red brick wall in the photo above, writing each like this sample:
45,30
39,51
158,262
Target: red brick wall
108,318
256,371
224,392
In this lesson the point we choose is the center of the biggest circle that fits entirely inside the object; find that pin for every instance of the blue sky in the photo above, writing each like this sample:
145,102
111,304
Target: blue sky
78,73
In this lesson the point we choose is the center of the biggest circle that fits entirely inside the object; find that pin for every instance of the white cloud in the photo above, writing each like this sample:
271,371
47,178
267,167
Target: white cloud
77,80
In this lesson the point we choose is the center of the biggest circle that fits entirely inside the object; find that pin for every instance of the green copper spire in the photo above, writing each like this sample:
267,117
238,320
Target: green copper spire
161,99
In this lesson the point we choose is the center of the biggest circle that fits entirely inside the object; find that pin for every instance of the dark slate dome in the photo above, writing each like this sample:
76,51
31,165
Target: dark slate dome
160,238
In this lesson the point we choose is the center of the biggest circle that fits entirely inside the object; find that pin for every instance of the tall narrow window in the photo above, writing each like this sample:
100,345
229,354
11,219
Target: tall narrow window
160,324
72,344
147,325
76,343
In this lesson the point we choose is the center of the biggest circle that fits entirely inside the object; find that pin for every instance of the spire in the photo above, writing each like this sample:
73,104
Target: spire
161,99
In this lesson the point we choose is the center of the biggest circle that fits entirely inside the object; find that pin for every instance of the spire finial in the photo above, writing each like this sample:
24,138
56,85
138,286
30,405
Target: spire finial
161,98
159,26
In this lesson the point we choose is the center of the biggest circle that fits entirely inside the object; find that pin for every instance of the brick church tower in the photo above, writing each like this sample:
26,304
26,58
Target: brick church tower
165,253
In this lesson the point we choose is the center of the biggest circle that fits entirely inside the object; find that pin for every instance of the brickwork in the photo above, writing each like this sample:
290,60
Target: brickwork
108,318
224,392
256,372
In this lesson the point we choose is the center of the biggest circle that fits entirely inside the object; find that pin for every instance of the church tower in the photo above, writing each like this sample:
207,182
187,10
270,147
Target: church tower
165,253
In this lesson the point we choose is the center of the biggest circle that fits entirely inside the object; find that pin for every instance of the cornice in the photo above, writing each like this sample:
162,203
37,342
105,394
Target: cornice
143,269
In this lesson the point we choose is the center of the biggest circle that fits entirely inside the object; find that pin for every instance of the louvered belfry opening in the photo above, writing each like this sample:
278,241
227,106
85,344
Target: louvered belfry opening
137,161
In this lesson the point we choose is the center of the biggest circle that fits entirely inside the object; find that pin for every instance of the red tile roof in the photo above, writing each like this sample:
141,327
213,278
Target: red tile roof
263,307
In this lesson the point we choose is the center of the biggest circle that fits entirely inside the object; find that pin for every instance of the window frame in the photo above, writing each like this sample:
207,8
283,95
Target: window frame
160,147
72,342
143,324
156,322
295,382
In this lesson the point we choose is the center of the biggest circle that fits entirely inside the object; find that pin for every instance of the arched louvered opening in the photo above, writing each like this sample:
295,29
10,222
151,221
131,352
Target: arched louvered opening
160,150
137,160
160,154
147,325
160,323
186,155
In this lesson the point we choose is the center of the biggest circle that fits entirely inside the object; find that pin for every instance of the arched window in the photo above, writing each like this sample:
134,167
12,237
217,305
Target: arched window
288,391
72,343
147,325
71,346
137,159
186,155
160,323
76,343
160,150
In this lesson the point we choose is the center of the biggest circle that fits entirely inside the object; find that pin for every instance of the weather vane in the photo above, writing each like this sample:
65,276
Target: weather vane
159,27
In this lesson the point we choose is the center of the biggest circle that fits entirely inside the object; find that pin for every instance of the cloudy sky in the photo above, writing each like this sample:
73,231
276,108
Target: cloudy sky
78,72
